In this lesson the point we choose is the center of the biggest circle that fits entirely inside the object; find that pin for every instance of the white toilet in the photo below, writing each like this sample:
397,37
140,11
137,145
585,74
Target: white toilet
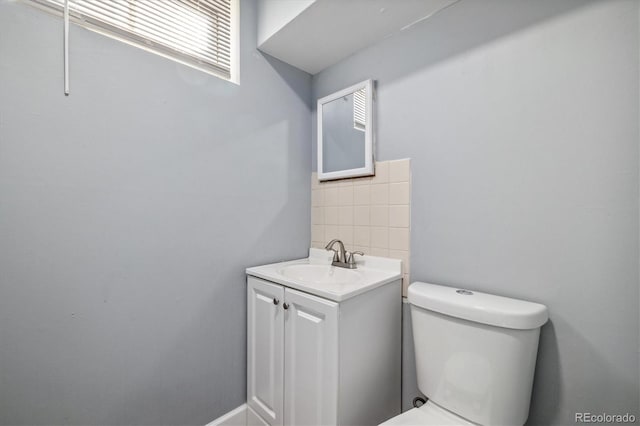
475,356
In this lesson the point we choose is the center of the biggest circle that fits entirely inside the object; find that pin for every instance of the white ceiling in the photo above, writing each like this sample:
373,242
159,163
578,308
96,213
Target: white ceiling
330,30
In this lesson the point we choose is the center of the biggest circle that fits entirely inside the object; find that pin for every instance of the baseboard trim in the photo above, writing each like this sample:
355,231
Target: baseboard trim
235,417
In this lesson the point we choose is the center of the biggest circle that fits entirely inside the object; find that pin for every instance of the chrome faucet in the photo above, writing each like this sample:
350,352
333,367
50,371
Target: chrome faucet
341,257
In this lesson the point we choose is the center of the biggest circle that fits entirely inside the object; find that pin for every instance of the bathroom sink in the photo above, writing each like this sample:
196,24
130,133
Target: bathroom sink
321,274
316,275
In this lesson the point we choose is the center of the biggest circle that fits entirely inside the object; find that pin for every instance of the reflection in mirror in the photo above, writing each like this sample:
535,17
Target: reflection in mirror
343,131
344,136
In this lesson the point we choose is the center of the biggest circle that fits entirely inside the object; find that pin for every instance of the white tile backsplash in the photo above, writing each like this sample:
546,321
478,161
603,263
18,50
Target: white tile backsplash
399,238
345,233
375,251
382,172
399,170
330,196
362,215
380,215
345,195
317,216
380,194
362,195
399,193
316,198
345,215
317,232
402,255
380,237
331,215
370,214
361,236
330,232
399,216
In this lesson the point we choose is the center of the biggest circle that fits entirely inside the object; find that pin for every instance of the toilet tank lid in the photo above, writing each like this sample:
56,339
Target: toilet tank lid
478,307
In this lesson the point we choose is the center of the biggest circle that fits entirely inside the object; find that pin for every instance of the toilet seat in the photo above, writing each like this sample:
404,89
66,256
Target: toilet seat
428,414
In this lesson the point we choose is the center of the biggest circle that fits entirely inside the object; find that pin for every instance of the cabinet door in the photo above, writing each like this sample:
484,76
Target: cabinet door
311,360
265,346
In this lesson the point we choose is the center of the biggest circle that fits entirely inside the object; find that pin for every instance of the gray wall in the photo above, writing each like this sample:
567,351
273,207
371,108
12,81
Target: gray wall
521,120
128,212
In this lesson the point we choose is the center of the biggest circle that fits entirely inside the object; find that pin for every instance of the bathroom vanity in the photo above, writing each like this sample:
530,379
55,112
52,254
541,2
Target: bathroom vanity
324,342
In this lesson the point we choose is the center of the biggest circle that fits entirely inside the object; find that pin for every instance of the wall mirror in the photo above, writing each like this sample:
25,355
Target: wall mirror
345,133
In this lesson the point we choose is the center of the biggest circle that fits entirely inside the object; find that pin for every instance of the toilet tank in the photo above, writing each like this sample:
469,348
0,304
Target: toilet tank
475,352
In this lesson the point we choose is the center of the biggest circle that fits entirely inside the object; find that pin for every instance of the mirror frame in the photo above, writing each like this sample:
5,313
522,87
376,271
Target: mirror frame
368,169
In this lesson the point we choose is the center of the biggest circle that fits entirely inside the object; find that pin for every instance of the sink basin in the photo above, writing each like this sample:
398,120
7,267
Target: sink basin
316,276
321,274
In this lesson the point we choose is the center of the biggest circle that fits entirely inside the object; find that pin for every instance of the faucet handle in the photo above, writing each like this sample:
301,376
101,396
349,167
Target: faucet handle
351,259
336,255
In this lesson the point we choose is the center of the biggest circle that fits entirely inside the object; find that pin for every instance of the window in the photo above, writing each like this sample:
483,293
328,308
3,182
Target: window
199,33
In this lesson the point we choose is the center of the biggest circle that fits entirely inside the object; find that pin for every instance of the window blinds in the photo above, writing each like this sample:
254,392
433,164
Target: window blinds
196,32
359,109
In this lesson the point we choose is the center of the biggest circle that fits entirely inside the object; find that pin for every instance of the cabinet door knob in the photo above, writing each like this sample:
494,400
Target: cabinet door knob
275,301
285,305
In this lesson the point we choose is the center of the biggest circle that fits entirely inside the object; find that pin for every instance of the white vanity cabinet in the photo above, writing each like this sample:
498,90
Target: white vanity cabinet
316,361
302,390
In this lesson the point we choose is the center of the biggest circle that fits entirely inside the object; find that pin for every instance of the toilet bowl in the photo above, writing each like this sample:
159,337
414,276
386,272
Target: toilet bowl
475,356
429,414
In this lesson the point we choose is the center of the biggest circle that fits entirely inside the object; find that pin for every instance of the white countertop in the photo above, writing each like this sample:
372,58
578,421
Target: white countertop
372,272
